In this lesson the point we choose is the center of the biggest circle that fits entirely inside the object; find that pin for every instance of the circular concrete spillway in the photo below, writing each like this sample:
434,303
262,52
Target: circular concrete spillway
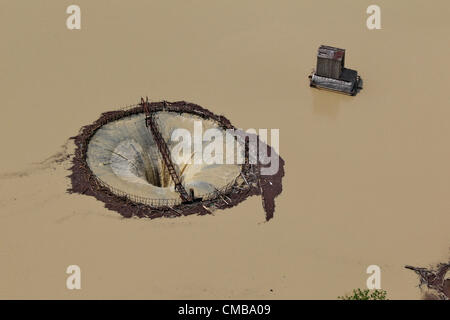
124,155
117,161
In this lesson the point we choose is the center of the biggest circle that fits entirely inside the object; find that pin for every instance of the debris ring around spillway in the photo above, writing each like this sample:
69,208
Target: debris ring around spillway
247,184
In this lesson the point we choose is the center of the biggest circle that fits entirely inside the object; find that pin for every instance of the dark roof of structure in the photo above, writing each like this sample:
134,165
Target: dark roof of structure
348,75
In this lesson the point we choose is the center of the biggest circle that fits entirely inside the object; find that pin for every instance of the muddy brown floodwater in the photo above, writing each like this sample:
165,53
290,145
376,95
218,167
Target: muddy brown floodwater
367,178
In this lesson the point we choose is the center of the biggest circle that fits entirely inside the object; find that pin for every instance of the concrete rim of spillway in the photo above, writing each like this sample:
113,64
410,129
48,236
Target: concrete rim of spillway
101,170
124,157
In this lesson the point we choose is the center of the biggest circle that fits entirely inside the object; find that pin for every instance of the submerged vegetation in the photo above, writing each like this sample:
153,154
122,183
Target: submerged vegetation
358,294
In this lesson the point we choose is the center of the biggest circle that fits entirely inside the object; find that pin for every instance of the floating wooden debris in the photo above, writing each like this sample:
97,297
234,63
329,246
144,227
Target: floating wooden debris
331,74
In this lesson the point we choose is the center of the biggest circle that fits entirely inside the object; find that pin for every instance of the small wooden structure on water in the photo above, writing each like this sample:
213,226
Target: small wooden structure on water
331,73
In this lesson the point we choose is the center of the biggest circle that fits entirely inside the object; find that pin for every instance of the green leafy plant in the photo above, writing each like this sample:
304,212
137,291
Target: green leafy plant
358,294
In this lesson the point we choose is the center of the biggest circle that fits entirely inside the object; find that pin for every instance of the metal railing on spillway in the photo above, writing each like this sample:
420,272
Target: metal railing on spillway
190,108
163,202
